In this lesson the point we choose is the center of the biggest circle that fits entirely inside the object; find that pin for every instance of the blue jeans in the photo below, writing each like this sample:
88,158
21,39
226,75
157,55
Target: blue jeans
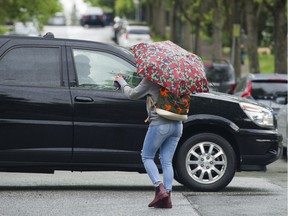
164,137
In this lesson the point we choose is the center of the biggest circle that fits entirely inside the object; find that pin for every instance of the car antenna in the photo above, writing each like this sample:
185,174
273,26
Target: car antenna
49,35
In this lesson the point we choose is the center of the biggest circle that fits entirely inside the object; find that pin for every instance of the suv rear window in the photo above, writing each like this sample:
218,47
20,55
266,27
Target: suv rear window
31,66
268,89
138,31
218,73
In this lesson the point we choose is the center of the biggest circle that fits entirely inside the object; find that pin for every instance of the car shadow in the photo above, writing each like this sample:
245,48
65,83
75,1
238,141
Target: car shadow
178,188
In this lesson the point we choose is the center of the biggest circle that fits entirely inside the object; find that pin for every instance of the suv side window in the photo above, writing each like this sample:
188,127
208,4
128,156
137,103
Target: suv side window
31,66
97,70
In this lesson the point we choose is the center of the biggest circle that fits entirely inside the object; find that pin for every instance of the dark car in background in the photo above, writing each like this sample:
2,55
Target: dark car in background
59,110
93,16
269,90
220,75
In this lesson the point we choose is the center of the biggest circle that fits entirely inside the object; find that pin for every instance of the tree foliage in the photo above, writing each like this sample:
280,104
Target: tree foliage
124,7
107,5
11,10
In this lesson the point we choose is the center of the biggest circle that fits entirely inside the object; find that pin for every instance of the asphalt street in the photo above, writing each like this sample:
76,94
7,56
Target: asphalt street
122,193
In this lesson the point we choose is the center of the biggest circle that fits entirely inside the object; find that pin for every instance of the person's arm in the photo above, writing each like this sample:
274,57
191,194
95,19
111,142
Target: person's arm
134,93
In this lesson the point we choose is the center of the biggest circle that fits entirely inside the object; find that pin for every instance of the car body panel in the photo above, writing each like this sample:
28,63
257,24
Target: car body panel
35,112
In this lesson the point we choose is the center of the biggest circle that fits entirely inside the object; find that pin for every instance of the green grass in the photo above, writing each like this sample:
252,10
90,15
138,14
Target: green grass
3,29
266,63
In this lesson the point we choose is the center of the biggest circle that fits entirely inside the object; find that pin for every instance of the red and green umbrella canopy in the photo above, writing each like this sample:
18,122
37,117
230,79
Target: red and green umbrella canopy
170,66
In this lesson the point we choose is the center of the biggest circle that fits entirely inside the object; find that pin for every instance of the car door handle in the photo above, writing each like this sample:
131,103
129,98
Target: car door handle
83,99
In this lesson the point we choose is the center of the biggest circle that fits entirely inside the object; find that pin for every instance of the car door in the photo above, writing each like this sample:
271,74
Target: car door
35,104
108,128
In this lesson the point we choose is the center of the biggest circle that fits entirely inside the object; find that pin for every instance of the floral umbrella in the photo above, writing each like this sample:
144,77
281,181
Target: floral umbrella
170,66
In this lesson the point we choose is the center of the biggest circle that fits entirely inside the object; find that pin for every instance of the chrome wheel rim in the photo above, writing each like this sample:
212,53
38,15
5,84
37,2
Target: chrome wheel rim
206,162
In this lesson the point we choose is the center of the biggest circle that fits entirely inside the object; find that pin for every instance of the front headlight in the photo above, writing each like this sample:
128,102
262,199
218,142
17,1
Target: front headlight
258,114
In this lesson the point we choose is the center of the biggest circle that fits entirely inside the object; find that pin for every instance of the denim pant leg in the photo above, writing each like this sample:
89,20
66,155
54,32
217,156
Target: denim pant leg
167,151
154,138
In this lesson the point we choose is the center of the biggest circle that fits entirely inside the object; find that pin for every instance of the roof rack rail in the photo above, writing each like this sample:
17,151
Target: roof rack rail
49,35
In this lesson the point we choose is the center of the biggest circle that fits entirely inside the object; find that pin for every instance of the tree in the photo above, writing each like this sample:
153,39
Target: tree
217,29
124,7
193,13
29,9
278,9
253,9
105,4
159,24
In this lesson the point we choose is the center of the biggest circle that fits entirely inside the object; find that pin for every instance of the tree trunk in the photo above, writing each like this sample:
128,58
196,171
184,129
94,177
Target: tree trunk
197,45
280,33
217,32
148,13
173,23
159,21
252,42
155,16
161,29
187,36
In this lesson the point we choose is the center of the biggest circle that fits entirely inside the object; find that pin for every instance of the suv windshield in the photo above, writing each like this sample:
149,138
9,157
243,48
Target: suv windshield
268,89
218,73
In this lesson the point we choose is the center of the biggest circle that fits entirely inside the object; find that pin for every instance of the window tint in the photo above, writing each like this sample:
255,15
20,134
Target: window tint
97,69
138,31
218,73
31,66
268,89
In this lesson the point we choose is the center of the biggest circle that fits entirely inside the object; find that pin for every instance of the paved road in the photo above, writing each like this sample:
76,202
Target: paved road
78,32
121,193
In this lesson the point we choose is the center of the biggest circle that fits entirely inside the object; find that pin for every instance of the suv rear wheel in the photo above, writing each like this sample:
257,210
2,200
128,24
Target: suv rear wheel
205,162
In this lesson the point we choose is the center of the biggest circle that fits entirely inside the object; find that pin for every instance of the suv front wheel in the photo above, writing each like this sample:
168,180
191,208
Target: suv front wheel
205,162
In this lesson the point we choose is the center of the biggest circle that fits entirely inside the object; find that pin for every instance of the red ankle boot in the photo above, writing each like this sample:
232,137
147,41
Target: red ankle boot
160,193
165,202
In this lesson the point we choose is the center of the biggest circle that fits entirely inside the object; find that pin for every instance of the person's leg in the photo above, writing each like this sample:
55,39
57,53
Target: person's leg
155,136
167,151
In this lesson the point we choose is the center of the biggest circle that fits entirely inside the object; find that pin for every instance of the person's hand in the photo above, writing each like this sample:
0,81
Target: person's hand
119,76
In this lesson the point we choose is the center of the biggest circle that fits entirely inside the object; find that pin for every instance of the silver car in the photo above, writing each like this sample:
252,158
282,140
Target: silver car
270,90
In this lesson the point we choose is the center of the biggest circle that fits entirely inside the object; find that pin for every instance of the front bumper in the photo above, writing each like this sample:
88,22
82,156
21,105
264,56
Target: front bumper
258,148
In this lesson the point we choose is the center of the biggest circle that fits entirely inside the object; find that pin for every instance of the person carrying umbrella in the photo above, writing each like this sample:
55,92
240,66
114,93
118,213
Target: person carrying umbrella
163,134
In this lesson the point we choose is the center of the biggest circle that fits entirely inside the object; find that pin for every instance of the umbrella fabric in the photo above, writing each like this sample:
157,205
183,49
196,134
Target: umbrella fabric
170,66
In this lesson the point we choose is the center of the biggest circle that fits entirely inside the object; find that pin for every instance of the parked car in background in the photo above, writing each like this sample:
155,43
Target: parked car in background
220,75
134,34
94,16
28,28
270,90
59,110
59,19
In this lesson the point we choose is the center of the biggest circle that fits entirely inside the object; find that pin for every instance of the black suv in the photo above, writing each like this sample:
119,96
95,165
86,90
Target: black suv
220,75
59,110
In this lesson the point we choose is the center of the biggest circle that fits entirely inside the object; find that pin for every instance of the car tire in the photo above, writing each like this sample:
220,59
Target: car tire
205,162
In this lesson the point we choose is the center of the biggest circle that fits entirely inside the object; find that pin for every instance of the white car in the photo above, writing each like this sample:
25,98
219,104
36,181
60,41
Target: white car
131,35
25,29
59,19
282,120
